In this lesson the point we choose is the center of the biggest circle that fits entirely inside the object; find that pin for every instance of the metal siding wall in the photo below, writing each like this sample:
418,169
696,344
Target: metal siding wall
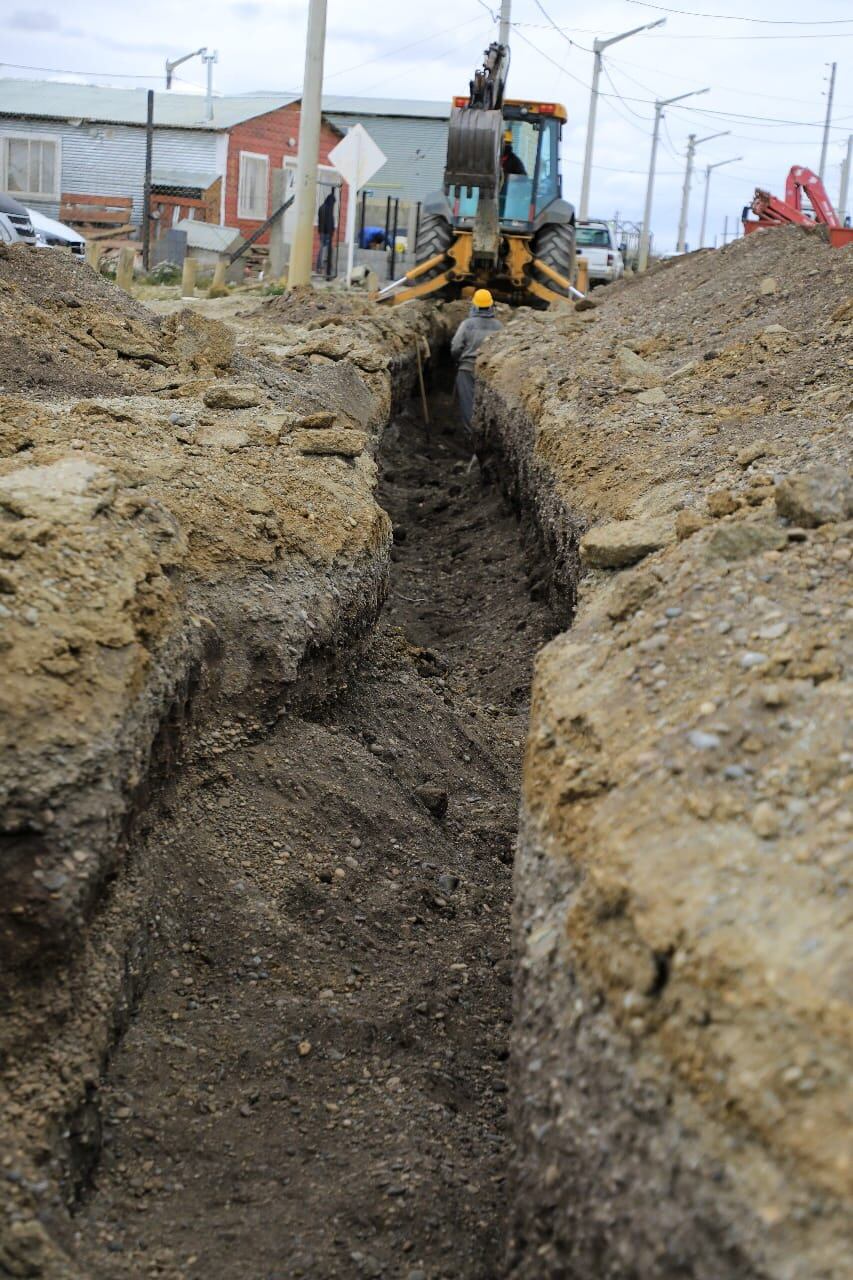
407,174
109,159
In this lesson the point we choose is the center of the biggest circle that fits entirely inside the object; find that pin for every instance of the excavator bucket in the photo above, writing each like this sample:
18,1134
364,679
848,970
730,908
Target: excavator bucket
474,150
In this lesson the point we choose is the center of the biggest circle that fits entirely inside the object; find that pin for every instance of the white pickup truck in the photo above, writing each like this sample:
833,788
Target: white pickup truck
595,242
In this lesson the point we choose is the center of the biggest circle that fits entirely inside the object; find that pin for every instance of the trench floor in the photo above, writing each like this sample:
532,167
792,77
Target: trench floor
313,1084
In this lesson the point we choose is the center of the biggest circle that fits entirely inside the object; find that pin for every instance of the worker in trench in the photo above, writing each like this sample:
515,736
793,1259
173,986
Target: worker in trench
467,341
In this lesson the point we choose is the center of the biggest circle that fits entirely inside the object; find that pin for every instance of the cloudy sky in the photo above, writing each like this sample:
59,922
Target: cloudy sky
765,63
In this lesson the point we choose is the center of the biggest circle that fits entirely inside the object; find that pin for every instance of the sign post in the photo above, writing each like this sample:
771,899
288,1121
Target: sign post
356,159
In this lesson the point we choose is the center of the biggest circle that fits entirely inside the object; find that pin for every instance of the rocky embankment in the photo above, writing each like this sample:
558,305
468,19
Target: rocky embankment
682,1044
188,539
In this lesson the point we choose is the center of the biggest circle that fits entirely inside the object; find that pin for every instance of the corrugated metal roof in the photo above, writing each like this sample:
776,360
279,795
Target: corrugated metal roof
206,235
54,100
411,107
182,178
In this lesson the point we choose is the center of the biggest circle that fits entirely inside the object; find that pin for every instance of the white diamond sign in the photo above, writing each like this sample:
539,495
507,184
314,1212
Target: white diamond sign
356,158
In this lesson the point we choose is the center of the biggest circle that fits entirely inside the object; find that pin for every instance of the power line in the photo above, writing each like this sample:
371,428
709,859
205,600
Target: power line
621,62
553,61
559,30
739,17
495,17
769,121
66,71
616,92
795,35
389,53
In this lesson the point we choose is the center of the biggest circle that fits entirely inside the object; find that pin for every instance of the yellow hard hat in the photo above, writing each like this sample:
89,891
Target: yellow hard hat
507,135
482,299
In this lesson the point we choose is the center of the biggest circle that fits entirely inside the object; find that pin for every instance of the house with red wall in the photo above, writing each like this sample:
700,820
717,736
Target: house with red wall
265,142
211,161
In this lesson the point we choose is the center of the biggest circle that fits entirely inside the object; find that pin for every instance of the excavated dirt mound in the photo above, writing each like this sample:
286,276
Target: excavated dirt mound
66,331
683,1026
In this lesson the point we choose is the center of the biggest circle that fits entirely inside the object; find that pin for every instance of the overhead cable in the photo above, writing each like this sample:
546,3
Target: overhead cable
740,17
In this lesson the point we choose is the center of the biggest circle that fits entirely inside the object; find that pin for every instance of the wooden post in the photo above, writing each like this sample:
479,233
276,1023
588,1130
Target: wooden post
146,187
188,277
218,287
277,247
124,273
93,254
583,275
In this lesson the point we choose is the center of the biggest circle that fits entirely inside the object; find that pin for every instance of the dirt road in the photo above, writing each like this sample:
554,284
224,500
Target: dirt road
313,1084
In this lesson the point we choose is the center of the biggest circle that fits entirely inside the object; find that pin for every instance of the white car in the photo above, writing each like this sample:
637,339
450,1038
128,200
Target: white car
53,234
595,242
16,225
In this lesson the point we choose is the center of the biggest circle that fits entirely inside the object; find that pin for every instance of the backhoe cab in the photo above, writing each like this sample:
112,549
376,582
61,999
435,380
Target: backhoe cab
500,223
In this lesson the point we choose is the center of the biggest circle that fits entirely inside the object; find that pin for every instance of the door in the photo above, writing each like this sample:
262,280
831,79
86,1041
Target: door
328,179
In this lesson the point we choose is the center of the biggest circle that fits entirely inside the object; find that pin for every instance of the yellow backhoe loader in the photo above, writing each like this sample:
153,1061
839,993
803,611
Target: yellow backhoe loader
501,222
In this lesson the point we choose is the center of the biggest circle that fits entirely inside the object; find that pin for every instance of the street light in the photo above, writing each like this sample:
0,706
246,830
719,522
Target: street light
692,143
650,186
708,170
598,46
171,63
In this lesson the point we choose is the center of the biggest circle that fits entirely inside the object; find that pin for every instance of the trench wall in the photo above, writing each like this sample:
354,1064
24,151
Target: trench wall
192,558
682,1037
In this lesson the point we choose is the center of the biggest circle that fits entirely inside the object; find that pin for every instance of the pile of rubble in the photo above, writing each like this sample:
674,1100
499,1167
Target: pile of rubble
683,1044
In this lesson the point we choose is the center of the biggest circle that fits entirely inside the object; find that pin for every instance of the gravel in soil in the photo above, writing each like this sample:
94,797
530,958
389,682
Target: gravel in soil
314,1082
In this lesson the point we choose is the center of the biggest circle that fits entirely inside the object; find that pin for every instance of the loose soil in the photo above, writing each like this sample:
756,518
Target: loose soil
314,1081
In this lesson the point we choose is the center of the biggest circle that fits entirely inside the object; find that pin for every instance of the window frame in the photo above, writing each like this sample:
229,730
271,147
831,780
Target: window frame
241,207
55,140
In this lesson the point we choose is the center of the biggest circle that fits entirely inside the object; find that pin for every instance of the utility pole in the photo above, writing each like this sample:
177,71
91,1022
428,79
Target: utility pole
845,180
650,186
598,47
503,29
708,170
176,62
209,59
309,146
692,143
827,123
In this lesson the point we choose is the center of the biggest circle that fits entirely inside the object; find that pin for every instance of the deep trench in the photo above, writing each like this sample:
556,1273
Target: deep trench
313,1083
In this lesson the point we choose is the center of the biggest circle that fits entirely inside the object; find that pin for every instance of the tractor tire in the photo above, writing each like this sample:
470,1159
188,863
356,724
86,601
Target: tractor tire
554,244
435,235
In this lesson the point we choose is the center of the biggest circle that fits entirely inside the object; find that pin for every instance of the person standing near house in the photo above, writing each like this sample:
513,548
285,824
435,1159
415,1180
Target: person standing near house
326,229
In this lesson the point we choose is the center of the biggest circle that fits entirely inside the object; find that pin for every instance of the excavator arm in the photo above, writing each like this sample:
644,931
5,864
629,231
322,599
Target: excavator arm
475,130
770,210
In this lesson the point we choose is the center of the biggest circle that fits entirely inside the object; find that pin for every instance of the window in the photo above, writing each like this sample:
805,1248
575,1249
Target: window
30,165
593,237
253,188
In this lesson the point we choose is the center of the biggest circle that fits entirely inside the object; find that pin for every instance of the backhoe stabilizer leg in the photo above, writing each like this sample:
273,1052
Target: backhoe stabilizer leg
552,274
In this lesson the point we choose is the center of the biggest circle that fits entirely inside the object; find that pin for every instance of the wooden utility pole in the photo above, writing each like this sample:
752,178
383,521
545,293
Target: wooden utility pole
310,115
146,190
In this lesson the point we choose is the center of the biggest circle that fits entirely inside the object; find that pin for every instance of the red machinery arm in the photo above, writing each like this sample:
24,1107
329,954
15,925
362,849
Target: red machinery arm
771,211
802,181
